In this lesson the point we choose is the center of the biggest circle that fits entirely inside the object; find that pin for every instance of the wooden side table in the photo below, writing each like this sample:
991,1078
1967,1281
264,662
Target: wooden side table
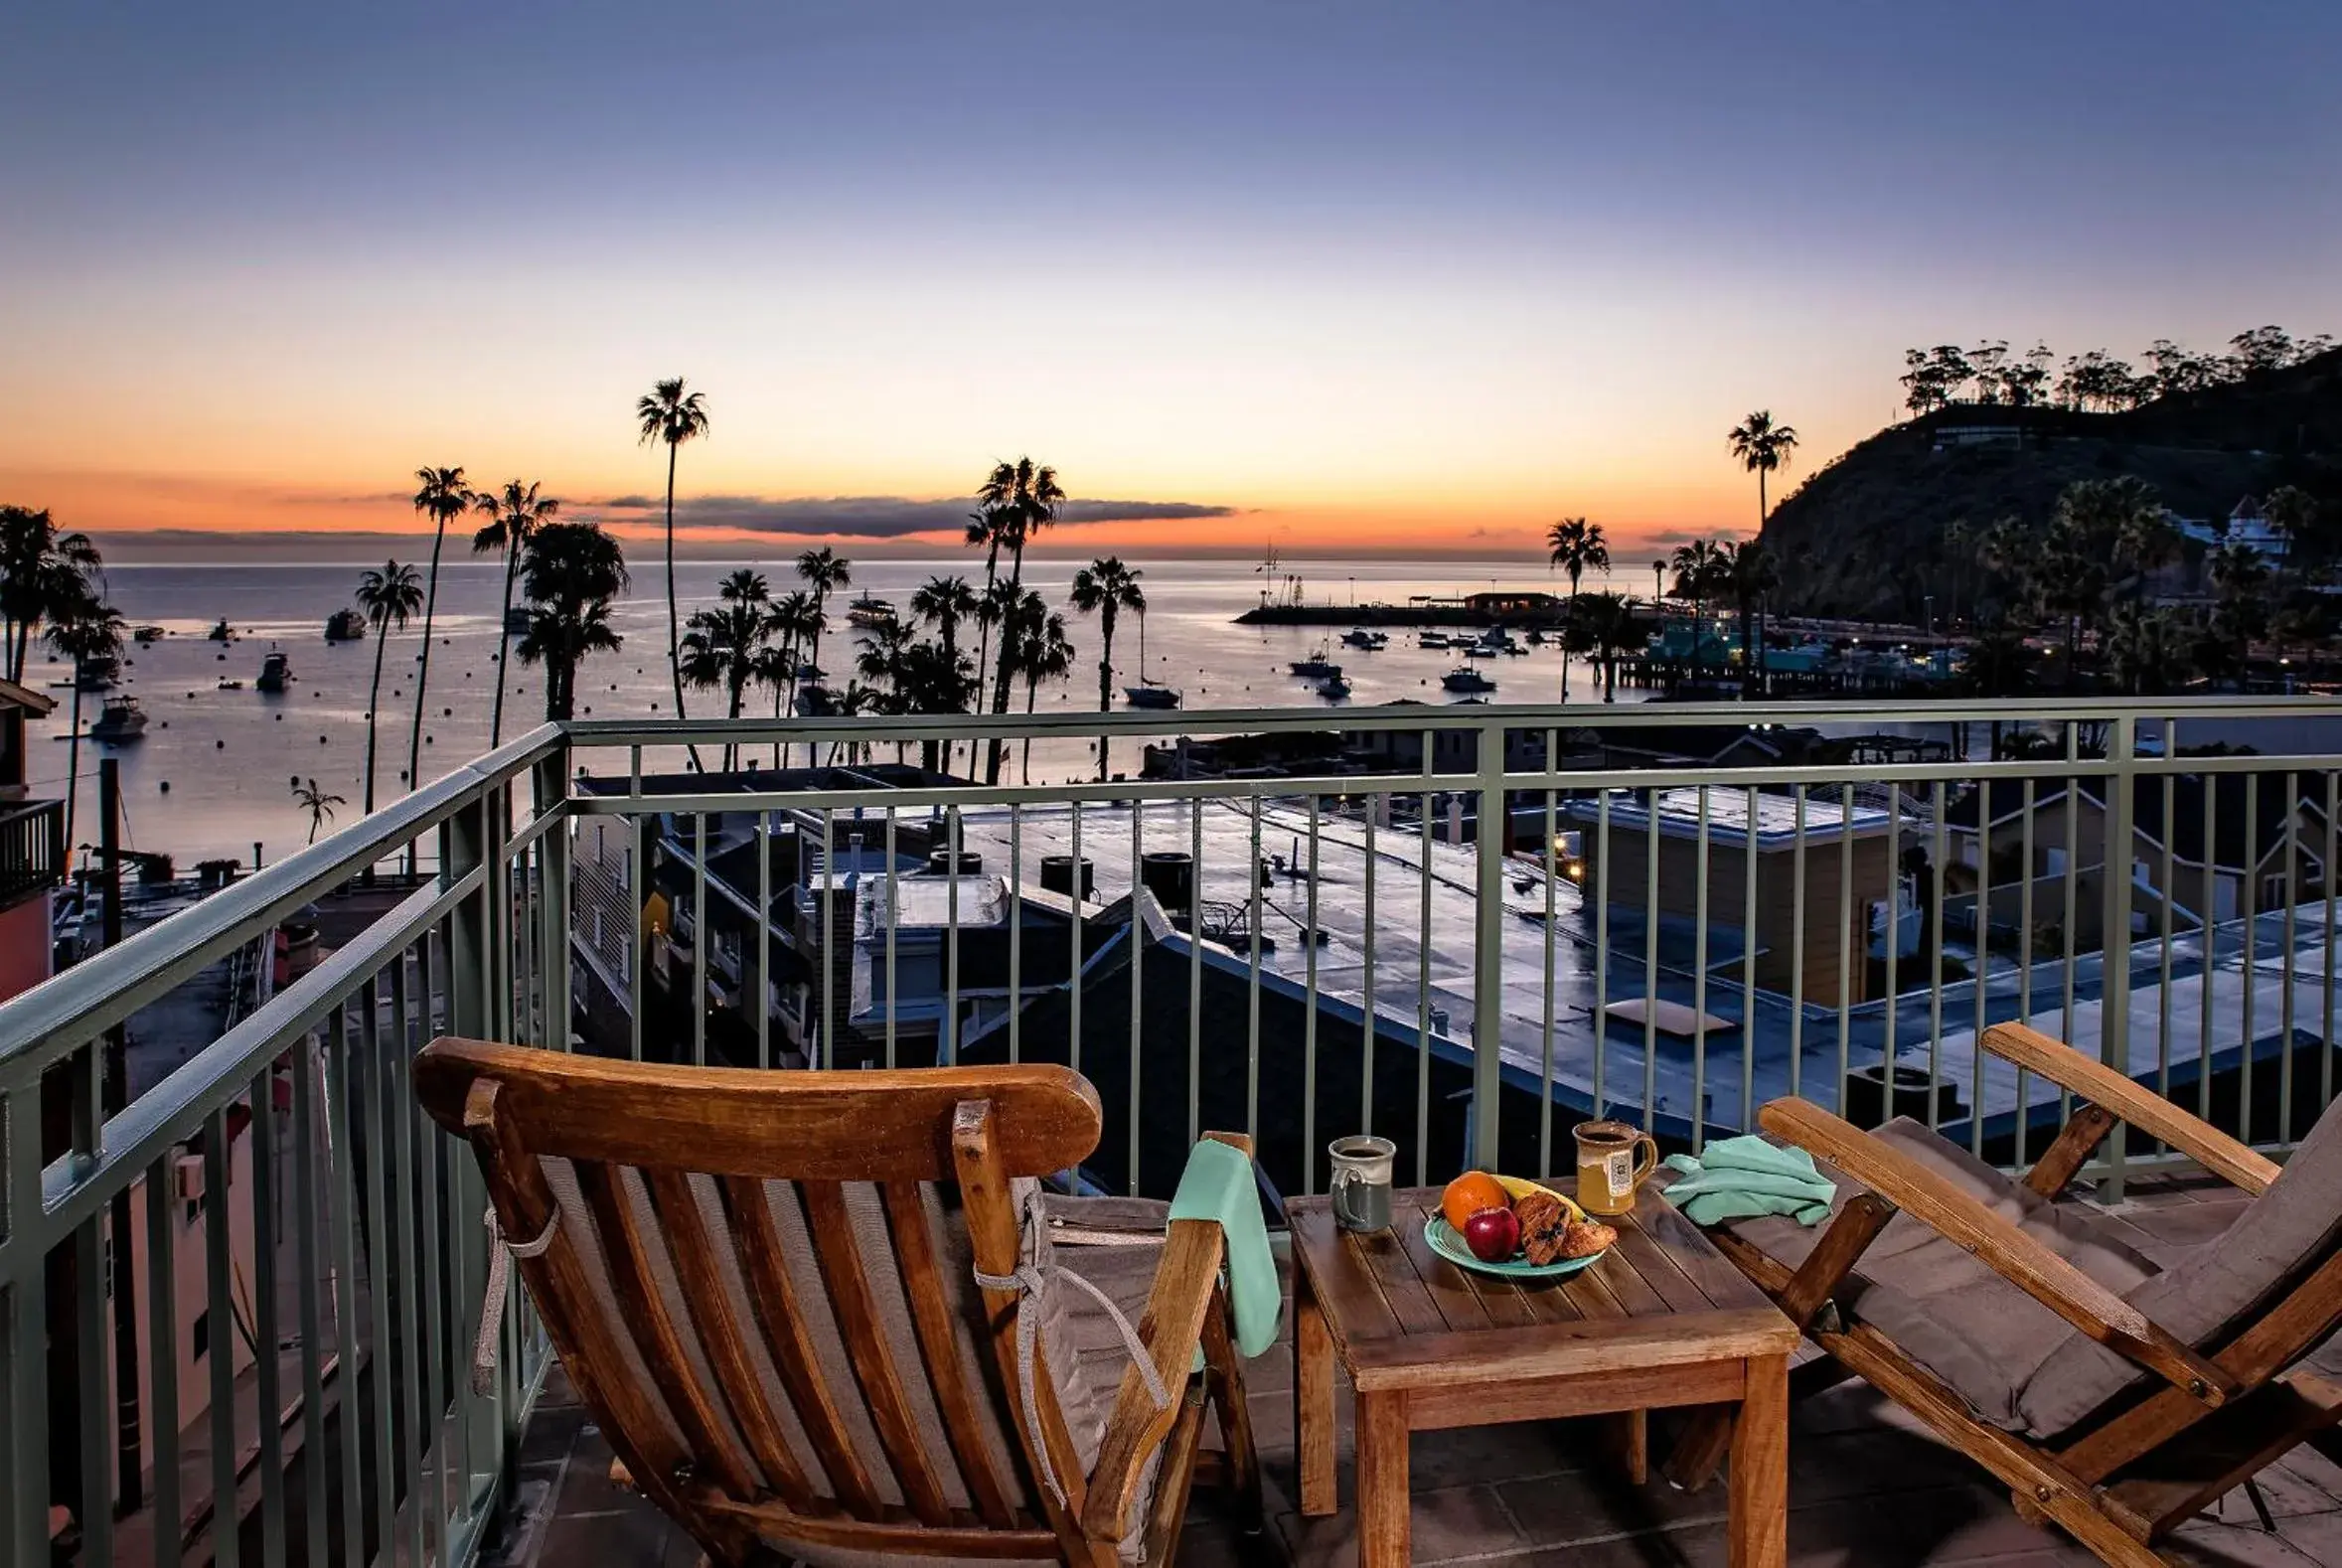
1662,1320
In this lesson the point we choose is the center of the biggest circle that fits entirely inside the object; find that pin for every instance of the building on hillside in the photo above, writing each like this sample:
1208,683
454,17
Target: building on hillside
2247,523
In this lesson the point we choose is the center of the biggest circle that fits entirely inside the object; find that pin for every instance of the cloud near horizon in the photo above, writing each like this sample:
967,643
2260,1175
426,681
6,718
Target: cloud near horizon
875,516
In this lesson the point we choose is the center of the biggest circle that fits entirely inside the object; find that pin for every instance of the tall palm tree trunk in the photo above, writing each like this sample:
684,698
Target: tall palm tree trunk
1105,692
504,656
1000,694
382,642
1032,692
422,674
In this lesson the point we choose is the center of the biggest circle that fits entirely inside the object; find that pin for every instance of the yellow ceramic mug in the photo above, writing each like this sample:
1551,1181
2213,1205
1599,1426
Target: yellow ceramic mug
1608,1171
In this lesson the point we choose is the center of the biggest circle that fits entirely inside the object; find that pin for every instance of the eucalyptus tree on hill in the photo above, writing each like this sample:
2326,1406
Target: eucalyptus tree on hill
443,496
44,574
514,513
1576,546
387,597
1104,588
670,414
1763,448
572,573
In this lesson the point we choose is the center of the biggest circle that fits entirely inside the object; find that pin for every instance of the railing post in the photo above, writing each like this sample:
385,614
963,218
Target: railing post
466,843
1488,947
24,1336
549,780
2114,943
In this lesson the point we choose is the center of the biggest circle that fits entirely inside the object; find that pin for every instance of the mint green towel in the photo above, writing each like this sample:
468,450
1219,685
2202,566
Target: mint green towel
1217,1185
1742,1177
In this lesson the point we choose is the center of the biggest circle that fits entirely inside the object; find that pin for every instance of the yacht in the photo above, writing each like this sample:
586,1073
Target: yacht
1367,638
1333,688
345,626
1150,695
121,720
870,611
1432,640
149,634
1464,678
276,672
97,673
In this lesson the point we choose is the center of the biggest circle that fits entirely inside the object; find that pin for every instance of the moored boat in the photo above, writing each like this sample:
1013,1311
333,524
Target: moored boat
276,672
120,720
1316,666
1365,637
345,626
1334,688
1151,695
1464,678
219,631
870,611
149,634
1431,640
97,673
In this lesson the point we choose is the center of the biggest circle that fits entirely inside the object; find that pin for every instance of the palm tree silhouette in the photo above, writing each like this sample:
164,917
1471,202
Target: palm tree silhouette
83,630
387,597
825,571
1697,565
1608,620
1577,547
725,643
1762,447
513,515
669,413
570,573
1751,571
794,620
1044,653
1019,500
443,496
1104,588
42,572
317,803
946,602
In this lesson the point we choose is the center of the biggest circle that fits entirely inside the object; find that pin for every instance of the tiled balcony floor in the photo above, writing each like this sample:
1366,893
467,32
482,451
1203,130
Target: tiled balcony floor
1868,1488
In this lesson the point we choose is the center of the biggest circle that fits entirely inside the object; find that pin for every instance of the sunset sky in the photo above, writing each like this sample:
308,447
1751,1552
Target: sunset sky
1342,275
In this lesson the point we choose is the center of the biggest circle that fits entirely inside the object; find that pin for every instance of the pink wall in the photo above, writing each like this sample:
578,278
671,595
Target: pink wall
25,945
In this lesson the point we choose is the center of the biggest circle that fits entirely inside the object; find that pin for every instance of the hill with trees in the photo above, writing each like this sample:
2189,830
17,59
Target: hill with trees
1892,520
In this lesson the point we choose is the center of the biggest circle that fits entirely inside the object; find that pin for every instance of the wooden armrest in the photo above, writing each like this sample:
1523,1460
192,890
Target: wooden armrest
2135,1104
1186,1286
2008,1251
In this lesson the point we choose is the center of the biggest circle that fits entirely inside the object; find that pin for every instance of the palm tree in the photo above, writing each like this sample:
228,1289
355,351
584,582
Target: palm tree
1998,664
825,571
571,573
722,647
795,622
1698,566
83,630
1608,630
1104,588
443,496
1018,501
1762,447
513,515
317,803
388,598
2146,652
1576,546
1751,571
1044,653
669,413
42,572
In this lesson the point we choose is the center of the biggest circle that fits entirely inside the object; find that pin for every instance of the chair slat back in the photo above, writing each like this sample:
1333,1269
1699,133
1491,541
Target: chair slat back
755,1284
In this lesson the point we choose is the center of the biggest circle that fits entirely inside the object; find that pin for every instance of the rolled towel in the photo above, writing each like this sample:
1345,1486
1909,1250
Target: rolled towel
1742,1177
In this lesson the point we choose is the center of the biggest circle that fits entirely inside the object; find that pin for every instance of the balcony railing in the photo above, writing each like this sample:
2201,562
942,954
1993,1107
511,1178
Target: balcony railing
32,849
1510,933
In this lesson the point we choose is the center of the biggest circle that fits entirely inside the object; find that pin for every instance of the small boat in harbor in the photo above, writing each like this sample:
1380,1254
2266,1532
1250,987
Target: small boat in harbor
120,720
276,672
1150,695
1481,651
1464,678
345,626
218,632
1367,638
1316,666
869,612
1334,688
1432,640
97,673
149,634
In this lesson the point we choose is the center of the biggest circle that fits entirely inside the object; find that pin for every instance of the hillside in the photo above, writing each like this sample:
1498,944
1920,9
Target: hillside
1863,536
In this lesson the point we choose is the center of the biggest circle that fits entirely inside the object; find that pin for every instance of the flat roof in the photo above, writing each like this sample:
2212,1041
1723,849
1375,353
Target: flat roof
1728,811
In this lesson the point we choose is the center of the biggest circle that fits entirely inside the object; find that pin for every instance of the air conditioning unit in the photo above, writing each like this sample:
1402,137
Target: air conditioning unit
186,1178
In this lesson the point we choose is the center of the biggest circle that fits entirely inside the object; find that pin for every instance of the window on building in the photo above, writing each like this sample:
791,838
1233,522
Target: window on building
200,1328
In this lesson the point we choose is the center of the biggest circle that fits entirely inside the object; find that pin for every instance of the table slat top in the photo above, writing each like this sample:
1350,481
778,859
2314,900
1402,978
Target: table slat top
1662,1295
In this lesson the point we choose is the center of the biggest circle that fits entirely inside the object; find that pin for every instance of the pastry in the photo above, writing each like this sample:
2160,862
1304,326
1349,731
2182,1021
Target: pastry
1543,1220
1585,1240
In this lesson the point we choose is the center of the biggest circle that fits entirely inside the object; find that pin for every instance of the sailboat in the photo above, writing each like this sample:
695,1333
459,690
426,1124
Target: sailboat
1149,693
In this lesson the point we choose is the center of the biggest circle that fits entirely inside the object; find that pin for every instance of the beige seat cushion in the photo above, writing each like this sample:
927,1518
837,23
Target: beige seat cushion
1943,1308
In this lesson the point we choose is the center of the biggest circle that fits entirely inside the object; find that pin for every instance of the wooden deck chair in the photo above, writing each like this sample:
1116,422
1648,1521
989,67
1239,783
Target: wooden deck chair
764,1285
2112,1395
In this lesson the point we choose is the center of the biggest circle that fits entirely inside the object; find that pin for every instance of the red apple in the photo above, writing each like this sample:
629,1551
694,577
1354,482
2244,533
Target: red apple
1492,1234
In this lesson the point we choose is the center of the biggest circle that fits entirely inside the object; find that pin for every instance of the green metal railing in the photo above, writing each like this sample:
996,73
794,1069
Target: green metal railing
281,1187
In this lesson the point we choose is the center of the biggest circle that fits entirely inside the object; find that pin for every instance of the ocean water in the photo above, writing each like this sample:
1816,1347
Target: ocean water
213,774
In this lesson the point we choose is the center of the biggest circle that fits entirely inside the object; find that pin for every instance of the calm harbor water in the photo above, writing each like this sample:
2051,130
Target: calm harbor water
227,757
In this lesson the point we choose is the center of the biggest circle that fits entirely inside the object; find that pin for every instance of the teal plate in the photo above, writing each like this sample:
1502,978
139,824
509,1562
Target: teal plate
1448,1245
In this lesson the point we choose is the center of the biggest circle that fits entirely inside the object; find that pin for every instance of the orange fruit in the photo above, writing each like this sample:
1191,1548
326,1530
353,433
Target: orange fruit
1468,1194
